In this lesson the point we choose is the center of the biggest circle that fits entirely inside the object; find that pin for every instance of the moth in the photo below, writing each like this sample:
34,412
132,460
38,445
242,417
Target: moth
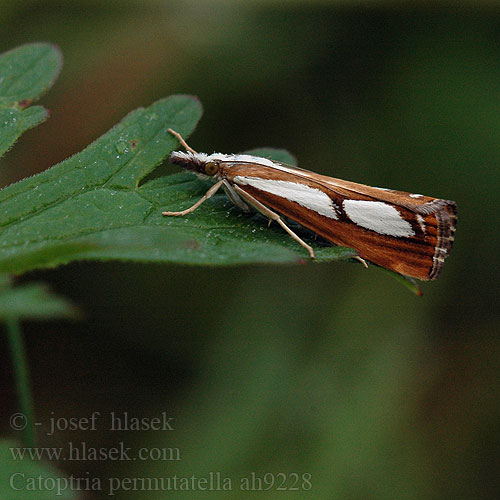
410,234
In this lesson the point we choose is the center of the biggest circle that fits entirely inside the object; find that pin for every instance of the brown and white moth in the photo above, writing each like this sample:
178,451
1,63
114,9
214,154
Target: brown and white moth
410,234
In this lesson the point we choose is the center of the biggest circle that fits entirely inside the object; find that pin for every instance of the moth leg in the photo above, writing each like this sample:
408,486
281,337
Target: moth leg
363,261
261,208
234,197
205,197
181,140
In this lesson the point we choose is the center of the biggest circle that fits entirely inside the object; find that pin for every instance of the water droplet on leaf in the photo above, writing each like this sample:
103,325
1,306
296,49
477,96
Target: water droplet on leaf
121,146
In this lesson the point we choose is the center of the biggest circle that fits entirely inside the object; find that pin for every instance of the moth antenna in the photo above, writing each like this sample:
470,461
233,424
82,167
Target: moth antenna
184,144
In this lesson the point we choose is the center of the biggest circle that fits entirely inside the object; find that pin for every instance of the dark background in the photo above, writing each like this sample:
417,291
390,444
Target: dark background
331,369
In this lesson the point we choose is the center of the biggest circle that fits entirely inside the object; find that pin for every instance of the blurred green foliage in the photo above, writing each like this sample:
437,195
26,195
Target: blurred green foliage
14,472
330,370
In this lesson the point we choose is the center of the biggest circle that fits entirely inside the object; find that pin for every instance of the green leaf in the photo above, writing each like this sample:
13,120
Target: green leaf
406,281
25,74
25,479
28,71
92,206
33,301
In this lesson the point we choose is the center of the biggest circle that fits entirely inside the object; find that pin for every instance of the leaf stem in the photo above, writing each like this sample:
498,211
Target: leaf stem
22,378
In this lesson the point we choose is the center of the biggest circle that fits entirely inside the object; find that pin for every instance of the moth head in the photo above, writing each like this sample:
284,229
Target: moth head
199,163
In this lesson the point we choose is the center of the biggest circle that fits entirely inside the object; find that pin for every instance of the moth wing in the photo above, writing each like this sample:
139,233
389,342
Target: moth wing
409,234
415,202
436,216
